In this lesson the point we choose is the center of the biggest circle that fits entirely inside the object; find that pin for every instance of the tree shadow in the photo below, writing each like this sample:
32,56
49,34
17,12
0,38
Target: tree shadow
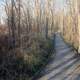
64,70
56,67
64,65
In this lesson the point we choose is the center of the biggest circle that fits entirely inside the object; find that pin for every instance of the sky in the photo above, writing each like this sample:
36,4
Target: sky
1,1
1,4
59,6
1,11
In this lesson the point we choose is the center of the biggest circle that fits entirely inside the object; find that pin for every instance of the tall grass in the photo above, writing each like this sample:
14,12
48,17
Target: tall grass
26,61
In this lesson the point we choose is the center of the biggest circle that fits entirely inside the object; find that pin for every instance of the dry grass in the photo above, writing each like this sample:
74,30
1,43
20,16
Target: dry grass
26,61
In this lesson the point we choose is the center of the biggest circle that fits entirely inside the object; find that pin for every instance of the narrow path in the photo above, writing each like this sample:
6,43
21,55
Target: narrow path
63,66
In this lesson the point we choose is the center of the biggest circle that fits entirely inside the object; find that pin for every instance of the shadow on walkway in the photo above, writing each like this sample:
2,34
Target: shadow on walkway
64,62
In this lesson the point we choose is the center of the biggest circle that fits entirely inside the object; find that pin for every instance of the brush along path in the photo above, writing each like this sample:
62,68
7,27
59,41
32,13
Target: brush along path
64,66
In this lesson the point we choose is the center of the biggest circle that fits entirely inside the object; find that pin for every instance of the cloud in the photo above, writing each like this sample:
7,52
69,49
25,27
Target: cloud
59,4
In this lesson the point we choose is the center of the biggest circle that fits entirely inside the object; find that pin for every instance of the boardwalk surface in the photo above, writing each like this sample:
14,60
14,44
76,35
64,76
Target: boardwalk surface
64,66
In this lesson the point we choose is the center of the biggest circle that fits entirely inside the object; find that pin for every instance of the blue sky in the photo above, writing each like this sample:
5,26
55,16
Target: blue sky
2,14
1,1
0,6
59,5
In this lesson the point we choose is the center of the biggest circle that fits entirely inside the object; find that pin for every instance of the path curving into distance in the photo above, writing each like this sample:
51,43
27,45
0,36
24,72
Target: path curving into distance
64,66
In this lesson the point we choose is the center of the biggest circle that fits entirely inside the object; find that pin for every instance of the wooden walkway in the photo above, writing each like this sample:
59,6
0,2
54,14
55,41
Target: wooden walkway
64,66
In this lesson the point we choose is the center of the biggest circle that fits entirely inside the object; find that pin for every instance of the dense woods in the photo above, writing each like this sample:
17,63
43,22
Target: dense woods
27,35
71,24
26,46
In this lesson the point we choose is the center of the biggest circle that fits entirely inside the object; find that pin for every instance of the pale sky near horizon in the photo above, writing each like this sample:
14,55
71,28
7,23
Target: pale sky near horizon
59,4
1,11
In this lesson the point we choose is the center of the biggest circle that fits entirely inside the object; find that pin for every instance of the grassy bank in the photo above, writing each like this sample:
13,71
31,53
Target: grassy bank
26,61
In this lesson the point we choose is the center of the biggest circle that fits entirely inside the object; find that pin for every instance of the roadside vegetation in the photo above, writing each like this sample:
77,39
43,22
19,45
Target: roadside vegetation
26,62
27,34
71,27
26,44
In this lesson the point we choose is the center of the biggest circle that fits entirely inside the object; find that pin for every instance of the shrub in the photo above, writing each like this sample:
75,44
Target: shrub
25,62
